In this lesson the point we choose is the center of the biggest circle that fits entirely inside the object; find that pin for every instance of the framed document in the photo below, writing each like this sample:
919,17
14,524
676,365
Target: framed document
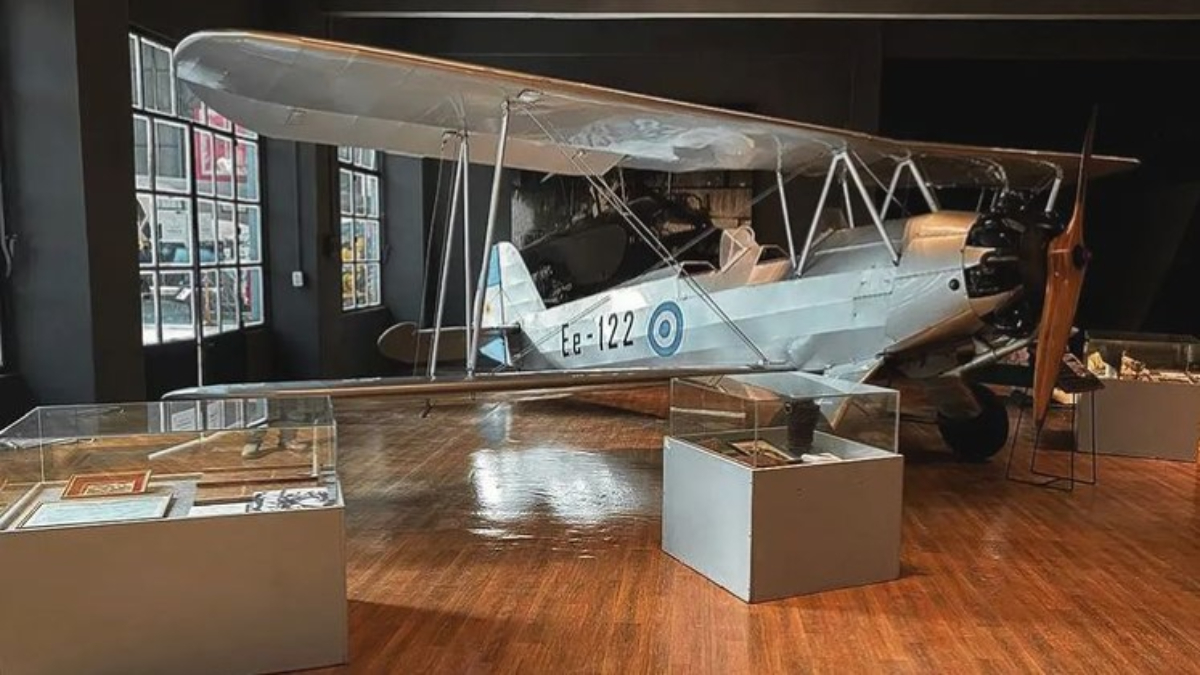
96,511
761,447
106,484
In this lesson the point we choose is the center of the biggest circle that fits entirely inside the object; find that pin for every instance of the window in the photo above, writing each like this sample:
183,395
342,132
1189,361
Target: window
199,217
361,212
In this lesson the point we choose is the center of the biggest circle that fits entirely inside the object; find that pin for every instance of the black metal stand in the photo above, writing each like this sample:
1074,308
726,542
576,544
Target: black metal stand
1052,480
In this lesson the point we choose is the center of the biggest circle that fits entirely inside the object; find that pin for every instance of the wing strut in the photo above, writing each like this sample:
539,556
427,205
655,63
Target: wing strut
465,147
911,166
866,198
843,161
787,217
447,249
488,236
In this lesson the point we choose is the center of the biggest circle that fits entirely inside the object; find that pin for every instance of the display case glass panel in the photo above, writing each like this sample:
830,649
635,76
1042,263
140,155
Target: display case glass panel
98,464
780,419
1147,357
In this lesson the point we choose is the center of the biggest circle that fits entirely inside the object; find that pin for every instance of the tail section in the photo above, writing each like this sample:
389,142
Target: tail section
511,293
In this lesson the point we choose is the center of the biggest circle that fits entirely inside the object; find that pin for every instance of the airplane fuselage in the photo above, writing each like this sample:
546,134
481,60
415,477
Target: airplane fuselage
850,305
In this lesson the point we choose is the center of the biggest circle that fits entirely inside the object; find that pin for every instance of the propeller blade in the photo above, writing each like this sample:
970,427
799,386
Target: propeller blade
1067,259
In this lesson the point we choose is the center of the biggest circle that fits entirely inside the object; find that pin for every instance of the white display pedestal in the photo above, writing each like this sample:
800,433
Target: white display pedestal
773,532
1159,420
252,593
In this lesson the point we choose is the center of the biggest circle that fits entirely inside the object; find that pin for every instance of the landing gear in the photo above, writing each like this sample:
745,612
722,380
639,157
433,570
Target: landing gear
976,438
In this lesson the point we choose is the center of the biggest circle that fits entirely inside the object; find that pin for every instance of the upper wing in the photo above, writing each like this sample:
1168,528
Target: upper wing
328,92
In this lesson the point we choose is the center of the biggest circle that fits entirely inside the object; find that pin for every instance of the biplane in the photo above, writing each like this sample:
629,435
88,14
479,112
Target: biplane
936,293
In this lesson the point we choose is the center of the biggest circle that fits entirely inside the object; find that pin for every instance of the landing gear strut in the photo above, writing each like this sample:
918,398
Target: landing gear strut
977,437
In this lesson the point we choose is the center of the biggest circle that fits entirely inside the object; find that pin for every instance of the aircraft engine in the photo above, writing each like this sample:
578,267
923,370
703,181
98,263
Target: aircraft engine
1005,267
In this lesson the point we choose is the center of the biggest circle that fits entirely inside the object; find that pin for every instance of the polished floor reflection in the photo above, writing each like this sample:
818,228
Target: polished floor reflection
523,536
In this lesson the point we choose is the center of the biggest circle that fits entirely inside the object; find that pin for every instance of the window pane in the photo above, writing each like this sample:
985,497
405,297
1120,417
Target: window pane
360,194
360,241
174,220
145,229
223,162
149,309
247,171
206,223
226,233
244,132
249,234
347,239
371,188
218,121
360,285
190,106
210,314
370,240
364,158
175,306
141,152
374,289
202,149
347,286
136,82
347,198
170,157
251,296
229,299
345,154
156,78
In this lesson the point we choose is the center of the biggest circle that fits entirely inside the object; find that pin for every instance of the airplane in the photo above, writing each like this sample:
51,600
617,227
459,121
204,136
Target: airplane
936,296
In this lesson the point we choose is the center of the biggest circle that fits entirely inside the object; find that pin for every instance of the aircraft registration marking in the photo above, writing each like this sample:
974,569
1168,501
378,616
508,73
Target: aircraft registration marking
614,330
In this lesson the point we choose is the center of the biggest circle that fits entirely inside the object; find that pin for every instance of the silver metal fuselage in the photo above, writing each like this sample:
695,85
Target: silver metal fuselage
851,305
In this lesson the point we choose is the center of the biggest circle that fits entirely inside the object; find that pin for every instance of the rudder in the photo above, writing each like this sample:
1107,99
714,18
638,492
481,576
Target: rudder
511,292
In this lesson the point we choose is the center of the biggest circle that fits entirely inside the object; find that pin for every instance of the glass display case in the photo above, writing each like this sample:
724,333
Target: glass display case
1146,357
63,466
780,484
777,419
1148,405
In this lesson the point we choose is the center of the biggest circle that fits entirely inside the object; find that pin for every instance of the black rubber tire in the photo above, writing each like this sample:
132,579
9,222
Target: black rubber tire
977,439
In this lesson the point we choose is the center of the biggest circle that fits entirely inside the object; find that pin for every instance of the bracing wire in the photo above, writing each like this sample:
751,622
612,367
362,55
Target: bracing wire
432,230
644,232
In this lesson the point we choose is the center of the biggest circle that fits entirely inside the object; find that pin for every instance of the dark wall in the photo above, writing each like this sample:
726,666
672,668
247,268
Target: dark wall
175,20
68,157
807,9
1142,226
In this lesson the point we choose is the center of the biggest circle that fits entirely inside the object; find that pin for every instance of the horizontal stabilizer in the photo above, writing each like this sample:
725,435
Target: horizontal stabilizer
403,342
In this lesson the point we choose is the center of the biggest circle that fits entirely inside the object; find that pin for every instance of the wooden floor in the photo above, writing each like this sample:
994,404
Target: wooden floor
524,537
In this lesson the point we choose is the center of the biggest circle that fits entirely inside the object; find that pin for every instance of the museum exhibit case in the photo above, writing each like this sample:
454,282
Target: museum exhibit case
1150,403
172,526
780,484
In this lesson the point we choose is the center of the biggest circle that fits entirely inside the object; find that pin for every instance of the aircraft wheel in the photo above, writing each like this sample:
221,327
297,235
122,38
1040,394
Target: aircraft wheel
977,439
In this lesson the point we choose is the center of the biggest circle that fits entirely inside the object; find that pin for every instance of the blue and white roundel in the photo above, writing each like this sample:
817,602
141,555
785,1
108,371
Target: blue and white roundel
665,332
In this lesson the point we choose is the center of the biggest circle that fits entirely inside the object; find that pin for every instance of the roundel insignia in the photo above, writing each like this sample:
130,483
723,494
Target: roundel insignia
665,332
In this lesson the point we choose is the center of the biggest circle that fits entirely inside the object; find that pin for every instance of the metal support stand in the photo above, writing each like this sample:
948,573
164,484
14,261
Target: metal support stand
476,319
1046,479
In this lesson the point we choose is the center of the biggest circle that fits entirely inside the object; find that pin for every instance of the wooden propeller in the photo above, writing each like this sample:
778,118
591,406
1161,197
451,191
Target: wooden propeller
1067,260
